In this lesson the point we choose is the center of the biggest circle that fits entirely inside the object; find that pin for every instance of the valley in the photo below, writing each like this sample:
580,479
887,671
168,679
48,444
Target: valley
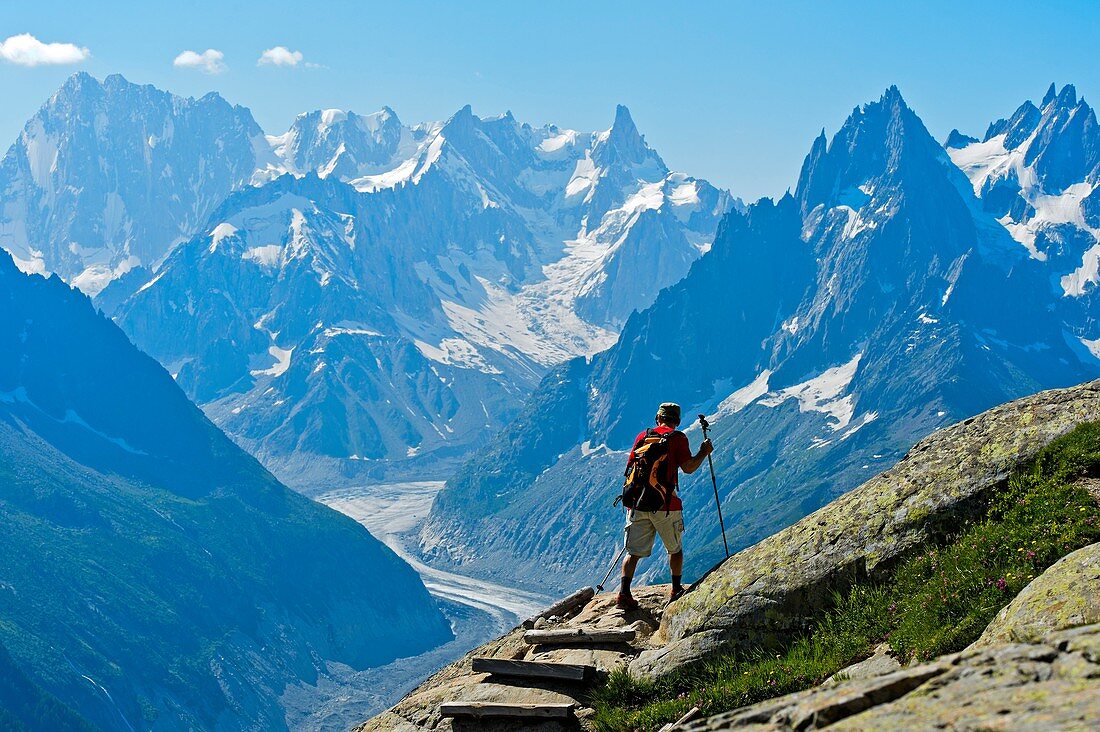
393,513
477,610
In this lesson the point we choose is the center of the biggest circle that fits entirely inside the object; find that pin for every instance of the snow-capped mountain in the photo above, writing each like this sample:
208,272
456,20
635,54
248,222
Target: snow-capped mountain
1038,172
155,576
387,293
607,196
823,333
109,176
344,145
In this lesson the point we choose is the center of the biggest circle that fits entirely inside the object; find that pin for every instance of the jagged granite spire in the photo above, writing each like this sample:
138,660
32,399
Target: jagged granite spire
879,140
624,145
1049,97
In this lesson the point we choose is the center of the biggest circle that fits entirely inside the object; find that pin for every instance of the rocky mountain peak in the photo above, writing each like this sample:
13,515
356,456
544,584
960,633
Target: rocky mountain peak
78,82
1066,98
339,143
623,128
1052,93
623,146
107,144
881,140
460,123
957,140
1059,140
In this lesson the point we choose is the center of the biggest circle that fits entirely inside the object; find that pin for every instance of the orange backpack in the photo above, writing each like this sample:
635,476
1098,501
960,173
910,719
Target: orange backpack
648,486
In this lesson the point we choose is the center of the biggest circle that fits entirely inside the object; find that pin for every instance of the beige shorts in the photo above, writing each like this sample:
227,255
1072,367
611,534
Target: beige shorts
643,526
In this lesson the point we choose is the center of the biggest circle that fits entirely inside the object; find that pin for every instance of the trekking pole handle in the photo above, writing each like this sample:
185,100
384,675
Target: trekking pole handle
704,424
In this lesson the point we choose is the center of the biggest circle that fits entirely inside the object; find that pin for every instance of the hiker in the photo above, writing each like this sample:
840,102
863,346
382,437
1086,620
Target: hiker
650,495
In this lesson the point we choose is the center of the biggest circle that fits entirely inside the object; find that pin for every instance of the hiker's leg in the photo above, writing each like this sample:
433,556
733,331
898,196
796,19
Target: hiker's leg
640,533
671,528
676,569
676,563
629,565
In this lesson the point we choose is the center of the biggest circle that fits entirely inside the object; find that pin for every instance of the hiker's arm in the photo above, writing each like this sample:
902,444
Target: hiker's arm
692,464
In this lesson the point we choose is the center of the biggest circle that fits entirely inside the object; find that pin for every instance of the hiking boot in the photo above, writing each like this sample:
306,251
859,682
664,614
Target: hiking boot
676,594
626,602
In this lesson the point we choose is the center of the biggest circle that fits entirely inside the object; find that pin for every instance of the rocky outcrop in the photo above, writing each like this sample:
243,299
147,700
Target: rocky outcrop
1066,595
419,710
1051,684
761,595
1036,666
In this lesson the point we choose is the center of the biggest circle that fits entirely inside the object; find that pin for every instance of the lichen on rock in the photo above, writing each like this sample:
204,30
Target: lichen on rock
1051,684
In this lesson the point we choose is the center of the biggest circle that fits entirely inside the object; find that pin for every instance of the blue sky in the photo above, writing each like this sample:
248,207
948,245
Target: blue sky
729,91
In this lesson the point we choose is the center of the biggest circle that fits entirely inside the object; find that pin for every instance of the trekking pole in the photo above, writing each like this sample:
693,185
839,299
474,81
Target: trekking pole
614,563
714,481
610,569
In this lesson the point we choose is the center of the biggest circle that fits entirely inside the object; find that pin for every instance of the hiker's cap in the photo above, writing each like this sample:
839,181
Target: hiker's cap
669,411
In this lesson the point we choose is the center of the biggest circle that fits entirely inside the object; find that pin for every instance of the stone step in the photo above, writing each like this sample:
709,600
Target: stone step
579,636
534,669
498,710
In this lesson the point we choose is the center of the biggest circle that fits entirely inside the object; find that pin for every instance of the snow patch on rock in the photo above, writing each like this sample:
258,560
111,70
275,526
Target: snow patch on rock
824,393
744,396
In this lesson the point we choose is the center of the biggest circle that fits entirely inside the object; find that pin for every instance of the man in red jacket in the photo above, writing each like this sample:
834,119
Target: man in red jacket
643,526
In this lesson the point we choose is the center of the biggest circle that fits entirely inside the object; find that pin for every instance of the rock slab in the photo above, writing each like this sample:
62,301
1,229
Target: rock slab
1050,685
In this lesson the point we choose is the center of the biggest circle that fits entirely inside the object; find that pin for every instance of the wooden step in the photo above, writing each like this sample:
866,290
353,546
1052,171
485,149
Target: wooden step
481,710
578,636
564,607
534,669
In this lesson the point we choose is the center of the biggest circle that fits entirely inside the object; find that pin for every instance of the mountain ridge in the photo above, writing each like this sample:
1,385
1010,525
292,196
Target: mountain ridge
441,283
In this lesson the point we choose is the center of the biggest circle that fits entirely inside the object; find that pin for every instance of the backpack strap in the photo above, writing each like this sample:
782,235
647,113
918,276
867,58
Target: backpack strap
641,438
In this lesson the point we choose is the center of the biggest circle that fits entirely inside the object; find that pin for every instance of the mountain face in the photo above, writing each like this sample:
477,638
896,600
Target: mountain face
390,294
109,175
186,587
340,144
1038,173
823,333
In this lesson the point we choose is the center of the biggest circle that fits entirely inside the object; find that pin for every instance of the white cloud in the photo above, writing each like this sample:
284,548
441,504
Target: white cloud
210,61
26,50
280,56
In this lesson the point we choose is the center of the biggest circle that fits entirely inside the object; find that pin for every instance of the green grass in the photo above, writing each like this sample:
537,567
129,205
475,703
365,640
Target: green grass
937,601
